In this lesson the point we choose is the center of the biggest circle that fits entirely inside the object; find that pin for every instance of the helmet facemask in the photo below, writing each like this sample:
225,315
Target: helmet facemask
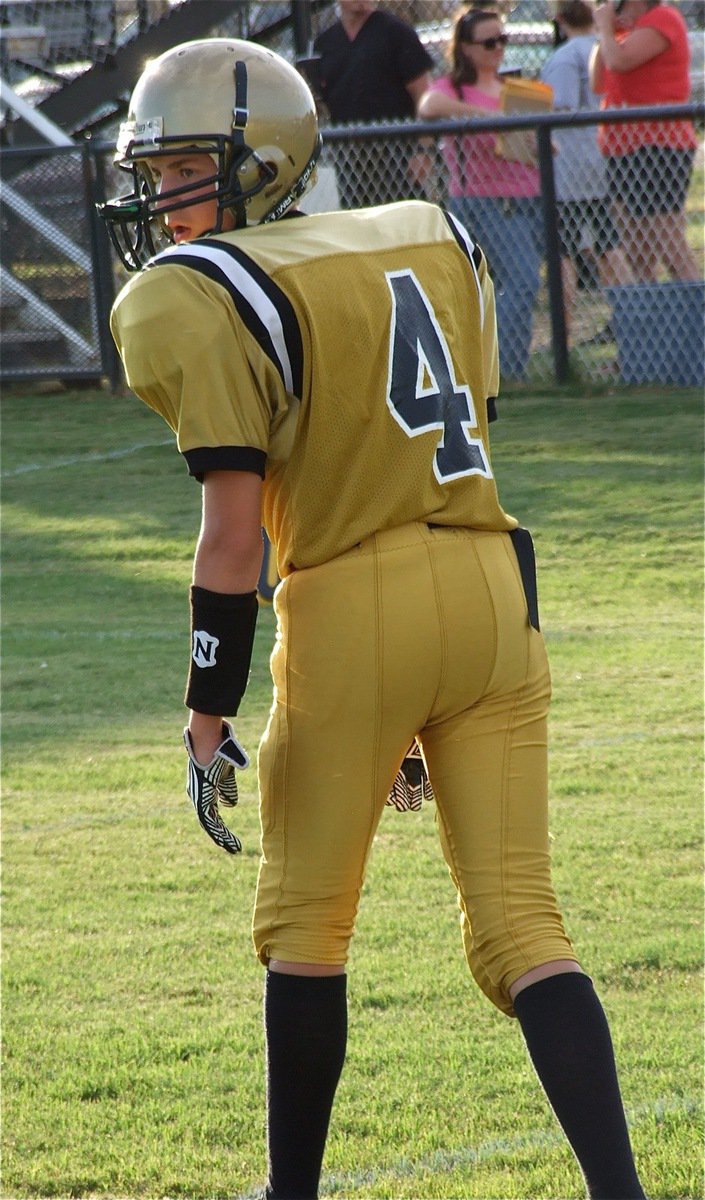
136,220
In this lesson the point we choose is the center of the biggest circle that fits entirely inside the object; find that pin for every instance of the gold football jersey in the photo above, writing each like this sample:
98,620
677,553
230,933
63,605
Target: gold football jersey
350,358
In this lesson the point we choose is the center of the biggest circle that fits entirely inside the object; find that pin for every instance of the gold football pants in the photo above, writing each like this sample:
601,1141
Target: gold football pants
416,631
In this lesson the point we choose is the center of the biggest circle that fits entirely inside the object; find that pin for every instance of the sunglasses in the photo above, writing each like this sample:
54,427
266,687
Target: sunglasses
492,43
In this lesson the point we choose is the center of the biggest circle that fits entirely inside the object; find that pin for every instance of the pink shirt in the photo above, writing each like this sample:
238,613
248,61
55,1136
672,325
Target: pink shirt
473,166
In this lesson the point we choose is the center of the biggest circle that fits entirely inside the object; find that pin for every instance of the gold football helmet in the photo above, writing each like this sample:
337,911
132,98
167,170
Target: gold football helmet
240,103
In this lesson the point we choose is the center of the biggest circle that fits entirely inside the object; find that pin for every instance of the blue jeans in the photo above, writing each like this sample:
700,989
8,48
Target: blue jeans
511,234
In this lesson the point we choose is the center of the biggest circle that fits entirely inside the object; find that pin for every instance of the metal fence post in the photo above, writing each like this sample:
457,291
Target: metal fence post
302,27
554,277
103,285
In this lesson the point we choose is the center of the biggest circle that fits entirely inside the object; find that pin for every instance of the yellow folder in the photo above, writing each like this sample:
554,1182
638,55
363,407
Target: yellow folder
522,96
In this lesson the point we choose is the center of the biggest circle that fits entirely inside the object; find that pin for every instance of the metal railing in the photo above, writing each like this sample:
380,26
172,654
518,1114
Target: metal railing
59,276
380,155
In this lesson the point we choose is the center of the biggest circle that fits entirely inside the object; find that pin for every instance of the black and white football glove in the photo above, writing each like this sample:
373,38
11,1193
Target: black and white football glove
412,785
214,784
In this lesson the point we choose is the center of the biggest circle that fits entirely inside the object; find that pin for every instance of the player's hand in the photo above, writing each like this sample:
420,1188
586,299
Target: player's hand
214,783
412,785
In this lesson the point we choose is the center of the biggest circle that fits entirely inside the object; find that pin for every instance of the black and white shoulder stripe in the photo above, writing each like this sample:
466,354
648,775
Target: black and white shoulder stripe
472,252
462,237
261,305
474,255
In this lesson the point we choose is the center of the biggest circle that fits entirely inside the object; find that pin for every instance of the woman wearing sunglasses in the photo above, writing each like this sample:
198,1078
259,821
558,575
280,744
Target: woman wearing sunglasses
495,198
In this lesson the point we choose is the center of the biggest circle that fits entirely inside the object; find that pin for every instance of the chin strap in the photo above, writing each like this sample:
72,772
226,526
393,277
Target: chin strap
241,115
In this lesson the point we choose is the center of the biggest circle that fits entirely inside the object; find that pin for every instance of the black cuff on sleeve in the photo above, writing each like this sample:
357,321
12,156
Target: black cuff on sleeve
224,458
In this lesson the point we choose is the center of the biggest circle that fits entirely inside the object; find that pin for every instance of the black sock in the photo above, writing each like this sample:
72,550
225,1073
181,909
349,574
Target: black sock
305,1020
569,1042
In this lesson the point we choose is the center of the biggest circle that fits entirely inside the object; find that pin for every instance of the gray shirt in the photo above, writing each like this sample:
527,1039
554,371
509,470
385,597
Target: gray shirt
579,166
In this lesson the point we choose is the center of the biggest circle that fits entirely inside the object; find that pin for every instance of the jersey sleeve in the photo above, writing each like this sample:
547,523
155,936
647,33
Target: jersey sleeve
188,356
488,315
490,344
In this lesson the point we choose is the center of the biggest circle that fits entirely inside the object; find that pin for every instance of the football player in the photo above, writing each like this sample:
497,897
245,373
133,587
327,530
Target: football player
331,377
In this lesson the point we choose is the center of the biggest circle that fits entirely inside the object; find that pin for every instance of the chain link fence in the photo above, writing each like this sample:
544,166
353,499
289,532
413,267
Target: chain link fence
595,321
575,294
622,271
43,43
53,286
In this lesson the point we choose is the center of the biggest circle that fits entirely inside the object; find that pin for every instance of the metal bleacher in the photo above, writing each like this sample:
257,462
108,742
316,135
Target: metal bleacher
67,68
78,59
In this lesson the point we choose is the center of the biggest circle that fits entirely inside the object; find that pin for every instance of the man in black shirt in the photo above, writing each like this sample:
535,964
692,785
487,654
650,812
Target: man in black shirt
372,67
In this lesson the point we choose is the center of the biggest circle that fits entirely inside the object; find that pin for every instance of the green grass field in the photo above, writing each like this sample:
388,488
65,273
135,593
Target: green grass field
132,999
